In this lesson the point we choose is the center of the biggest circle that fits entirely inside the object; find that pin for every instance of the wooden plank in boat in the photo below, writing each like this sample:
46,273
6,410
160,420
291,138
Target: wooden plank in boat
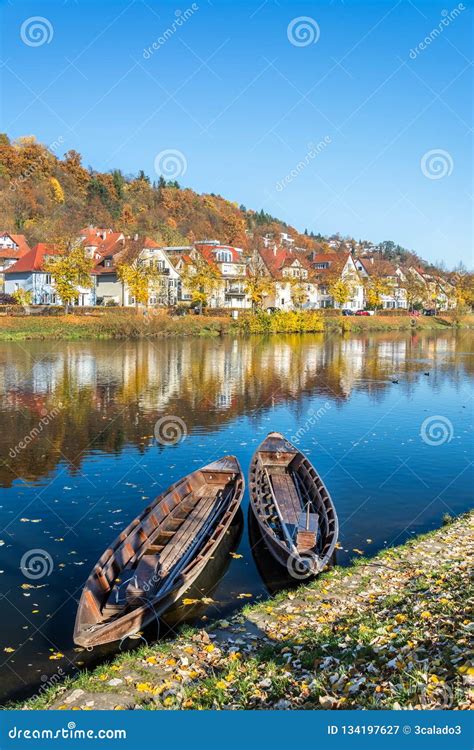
188,529
144,576
287,498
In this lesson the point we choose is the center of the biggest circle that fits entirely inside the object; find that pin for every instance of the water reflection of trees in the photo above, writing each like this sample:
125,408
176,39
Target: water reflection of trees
110,394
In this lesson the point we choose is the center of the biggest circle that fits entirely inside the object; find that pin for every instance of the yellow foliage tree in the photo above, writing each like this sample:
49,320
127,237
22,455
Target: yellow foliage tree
375,287
139,278
257,287
202,279
70,270
58,192
340,290
298,292
22,296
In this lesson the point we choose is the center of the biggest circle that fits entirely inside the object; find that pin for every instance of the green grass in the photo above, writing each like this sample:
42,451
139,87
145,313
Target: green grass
419,621
123,323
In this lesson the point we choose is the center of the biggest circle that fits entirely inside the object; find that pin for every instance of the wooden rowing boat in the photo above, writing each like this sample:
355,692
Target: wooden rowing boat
294,510
159,555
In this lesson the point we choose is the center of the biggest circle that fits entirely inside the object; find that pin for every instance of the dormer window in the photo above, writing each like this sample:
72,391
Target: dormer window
108,263
224,256
322,266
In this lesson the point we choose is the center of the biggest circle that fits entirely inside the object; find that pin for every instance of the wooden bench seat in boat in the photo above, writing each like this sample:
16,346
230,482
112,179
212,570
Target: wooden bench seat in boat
153,567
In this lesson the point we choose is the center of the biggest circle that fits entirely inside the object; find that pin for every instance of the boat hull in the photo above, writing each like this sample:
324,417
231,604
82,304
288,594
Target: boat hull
91,628
275,457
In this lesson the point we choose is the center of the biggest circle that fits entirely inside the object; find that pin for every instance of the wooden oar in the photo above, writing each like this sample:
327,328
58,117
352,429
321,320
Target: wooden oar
283,524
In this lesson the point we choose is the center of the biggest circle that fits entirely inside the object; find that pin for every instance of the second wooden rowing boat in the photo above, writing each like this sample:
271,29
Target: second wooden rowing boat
294,510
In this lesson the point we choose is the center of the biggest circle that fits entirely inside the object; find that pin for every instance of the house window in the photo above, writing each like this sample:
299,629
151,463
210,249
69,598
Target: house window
322,265
108,263
47,278
224,256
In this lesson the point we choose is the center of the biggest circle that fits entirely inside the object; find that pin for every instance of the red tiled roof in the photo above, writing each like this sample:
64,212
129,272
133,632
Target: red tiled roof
379,267
208,252
121,250
20,241
278,258
336,261
112,244
33,259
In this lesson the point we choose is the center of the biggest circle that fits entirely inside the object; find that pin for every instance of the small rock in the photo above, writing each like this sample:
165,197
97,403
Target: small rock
266,683
327,701
114,682
74,696
282,705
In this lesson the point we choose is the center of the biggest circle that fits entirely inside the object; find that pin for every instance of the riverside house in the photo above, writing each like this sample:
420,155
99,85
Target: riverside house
12,248
294,282
395,298
439,292
328,268
230,264
114,252
28,273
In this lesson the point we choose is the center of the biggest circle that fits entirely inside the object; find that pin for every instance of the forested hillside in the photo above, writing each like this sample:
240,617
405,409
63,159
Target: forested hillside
47,198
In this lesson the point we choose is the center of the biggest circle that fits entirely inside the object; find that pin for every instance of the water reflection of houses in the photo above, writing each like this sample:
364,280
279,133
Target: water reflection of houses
113,392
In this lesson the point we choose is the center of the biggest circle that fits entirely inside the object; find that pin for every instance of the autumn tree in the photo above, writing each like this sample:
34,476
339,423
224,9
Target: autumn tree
463,286
375,287
341,290
70,270
257,287
298,292
139,277
23,296
415,290
201,279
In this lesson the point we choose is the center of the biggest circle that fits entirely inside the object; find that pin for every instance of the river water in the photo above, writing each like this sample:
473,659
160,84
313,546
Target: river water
386,419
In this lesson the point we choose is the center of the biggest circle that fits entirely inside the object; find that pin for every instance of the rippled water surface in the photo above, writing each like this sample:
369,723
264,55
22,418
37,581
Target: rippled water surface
385,418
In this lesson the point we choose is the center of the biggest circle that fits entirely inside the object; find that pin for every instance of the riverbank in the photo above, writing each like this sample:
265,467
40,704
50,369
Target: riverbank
389,632
127,324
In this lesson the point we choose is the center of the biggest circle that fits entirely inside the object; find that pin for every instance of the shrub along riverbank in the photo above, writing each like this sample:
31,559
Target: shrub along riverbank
389,632
128,324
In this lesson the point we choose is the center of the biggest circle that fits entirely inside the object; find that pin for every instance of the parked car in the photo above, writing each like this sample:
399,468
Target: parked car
362,312
429,311
347,312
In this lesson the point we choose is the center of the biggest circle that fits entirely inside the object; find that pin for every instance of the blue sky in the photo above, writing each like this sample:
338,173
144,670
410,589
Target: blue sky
243,104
